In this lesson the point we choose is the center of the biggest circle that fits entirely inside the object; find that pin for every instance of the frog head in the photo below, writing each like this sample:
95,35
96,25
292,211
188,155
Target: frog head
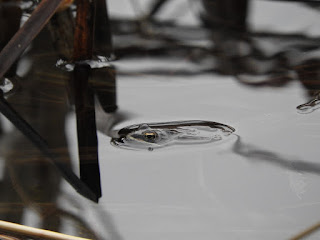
144,137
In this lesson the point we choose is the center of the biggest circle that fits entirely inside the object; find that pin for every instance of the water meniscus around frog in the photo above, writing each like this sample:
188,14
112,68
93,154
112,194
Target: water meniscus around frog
150,136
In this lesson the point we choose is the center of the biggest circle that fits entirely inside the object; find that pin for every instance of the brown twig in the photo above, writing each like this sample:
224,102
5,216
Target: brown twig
10,17
104,83
17,229
306,232
102,32
84,97
27,33
40,143
83,36
8,56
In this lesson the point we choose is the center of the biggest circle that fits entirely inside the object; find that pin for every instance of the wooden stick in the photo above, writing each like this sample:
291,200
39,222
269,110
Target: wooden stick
84,97
35,232
306,232
38,141
9,15
8,56
83,36
156,6
6,237
102,33
21,40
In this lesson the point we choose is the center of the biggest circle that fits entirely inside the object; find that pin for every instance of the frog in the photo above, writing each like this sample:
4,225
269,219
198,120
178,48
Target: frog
150,136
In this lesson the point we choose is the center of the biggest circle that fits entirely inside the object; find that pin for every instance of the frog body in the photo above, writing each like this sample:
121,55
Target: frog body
157,135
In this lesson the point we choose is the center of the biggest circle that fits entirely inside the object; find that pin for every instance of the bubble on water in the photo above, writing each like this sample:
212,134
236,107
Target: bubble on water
28,5
310,106
6,86
158,135
97,62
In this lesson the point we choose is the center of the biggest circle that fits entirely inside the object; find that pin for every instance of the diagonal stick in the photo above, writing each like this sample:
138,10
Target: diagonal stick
18,229
21,40
42,145
84,97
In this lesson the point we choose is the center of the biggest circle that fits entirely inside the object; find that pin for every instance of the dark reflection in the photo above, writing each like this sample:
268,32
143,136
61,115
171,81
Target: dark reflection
309,74
231,47
41,99
255,153
30,181
29,178
229,15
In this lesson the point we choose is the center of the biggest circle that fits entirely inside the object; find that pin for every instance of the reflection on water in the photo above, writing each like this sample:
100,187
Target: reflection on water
31,183
149,136
255,153
310,106
255,58
7,86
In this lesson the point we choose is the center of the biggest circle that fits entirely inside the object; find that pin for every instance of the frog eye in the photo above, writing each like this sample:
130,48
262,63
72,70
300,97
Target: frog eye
150,136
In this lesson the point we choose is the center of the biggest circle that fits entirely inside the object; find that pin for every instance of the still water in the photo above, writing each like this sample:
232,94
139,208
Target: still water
233,157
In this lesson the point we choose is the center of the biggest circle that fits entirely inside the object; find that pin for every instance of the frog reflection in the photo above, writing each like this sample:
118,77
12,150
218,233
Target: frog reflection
158,135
